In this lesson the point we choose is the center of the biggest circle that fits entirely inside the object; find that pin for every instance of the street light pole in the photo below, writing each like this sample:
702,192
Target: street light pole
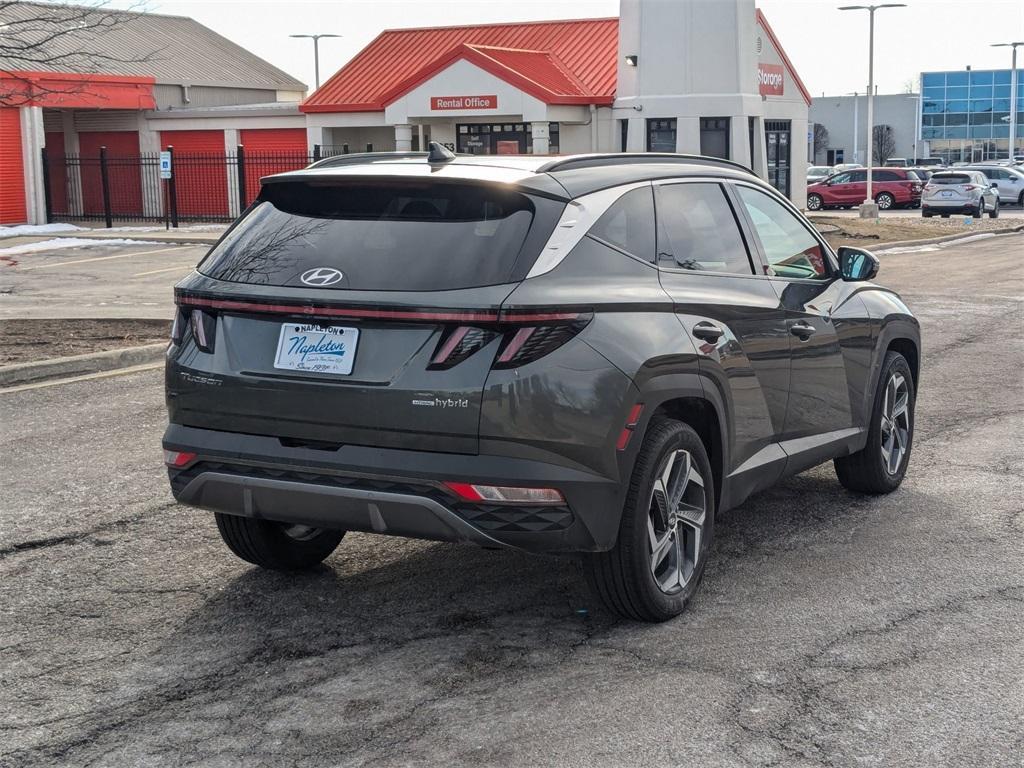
1013,91
316,53
868,208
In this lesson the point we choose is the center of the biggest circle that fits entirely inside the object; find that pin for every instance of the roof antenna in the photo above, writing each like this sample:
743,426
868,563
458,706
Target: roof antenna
438,154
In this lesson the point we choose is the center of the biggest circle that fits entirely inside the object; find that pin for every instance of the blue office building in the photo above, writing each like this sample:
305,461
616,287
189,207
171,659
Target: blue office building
965,115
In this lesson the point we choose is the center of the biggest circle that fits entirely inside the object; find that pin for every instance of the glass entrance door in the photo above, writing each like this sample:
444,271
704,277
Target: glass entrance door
777,147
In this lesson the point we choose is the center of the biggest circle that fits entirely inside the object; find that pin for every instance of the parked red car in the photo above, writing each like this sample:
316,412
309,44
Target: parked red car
891,187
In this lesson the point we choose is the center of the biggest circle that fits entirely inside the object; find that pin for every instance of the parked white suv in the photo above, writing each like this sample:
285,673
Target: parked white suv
1007,179
959,191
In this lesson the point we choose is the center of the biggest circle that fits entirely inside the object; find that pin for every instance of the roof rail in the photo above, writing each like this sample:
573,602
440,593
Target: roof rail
359,158
636,158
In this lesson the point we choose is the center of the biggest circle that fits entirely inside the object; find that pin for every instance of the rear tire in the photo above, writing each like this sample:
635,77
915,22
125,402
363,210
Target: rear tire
277,546
978,212
884,201
994,213
927,214
657,563
876,468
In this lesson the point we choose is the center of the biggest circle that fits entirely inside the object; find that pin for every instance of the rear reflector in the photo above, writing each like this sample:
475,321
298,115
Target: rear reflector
504,494
178,459
627,431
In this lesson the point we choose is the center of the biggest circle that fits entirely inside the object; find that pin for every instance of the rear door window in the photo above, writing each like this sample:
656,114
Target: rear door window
410,235
697,230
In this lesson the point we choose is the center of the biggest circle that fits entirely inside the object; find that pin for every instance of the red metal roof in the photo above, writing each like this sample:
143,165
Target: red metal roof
560,62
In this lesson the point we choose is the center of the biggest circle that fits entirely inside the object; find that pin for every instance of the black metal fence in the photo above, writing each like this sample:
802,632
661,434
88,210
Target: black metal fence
207,187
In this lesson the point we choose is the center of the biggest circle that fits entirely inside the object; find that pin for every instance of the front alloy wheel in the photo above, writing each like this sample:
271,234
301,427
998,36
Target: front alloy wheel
814,202
895,423
675,522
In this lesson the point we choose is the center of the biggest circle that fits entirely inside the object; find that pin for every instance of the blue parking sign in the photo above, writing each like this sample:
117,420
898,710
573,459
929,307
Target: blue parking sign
165,165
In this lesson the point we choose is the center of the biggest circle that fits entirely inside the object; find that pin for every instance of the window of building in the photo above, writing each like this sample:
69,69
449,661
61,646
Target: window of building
629,224
661,135
714,137
791,250
623,135
697,230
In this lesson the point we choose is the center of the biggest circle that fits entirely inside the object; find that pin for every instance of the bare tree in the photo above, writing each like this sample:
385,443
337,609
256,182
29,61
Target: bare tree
821,139
910,85
884,143
51,37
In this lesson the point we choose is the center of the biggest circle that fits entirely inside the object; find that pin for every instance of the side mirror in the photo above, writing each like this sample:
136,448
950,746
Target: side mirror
994,185
856,264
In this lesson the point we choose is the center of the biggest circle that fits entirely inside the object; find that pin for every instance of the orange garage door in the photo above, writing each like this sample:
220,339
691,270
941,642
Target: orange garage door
200,172
269,151
124,176
12,169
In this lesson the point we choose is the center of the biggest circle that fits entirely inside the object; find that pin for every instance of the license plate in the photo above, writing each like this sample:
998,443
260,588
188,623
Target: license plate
947,193
316,348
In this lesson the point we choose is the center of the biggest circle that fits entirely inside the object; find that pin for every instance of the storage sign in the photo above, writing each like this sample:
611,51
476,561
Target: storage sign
770,79
463,102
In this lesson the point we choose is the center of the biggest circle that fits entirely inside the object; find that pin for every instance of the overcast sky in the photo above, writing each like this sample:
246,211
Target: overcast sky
828,47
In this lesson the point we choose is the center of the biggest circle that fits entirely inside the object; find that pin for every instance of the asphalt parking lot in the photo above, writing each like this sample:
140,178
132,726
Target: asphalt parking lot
832,629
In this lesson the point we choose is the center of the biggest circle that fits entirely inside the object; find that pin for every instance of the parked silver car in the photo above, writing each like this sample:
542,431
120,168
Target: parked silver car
959,191
816,173
1008,180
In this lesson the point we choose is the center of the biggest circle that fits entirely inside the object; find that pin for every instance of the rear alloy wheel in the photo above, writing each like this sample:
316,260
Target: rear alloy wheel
657,563
814,202
277,546
994,213
885,201
880,466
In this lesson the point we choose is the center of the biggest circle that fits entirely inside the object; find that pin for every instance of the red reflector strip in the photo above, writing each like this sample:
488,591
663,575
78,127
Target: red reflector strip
623,441
634,415
178,458
355,312
451,344
537,317
465,490
516,344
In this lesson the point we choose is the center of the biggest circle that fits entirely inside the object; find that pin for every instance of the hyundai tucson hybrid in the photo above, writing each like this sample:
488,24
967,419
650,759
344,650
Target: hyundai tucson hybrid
593,355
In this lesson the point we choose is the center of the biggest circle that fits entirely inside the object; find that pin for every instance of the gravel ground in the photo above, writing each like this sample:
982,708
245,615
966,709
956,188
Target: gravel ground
832,629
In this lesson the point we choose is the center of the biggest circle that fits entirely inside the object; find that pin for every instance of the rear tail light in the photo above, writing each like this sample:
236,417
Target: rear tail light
500,494
969,187
178,326
204,329
458,344
178,459
527,343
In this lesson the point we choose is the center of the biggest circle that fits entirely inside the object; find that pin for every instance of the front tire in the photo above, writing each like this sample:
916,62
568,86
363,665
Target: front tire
277,546
880,466
814,202
665,534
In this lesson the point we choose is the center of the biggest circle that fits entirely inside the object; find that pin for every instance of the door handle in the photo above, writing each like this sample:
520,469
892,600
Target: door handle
708,332
802,330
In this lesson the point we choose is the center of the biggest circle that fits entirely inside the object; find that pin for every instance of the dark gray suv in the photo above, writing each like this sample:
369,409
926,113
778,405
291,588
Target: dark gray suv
594,354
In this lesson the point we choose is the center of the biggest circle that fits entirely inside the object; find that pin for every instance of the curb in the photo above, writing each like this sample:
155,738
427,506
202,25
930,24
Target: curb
77,365
947,238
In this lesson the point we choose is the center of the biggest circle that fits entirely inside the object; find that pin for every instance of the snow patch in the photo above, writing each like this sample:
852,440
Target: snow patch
28,230
63,243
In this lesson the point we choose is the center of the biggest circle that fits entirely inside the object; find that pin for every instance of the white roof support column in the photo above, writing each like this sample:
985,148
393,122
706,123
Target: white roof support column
541,137
739,140
403,137
33,139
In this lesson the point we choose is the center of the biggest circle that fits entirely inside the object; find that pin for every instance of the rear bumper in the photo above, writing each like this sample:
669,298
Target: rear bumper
394,492
950,206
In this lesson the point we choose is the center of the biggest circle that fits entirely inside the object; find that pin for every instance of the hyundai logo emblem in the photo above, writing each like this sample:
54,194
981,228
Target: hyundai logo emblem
321,276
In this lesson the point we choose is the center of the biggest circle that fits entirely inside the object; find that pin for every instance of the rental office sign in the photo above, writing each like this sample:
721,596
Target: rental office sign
441,103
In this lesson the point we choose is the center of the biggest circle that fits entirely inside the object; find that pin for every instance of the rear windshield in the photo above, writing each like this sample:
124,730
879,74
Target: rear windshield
952,178
408,236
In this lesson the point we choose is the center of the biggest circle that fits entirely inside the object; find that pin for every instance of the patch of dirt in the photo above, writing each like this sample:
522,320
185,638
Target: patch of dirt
865,233
23,341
